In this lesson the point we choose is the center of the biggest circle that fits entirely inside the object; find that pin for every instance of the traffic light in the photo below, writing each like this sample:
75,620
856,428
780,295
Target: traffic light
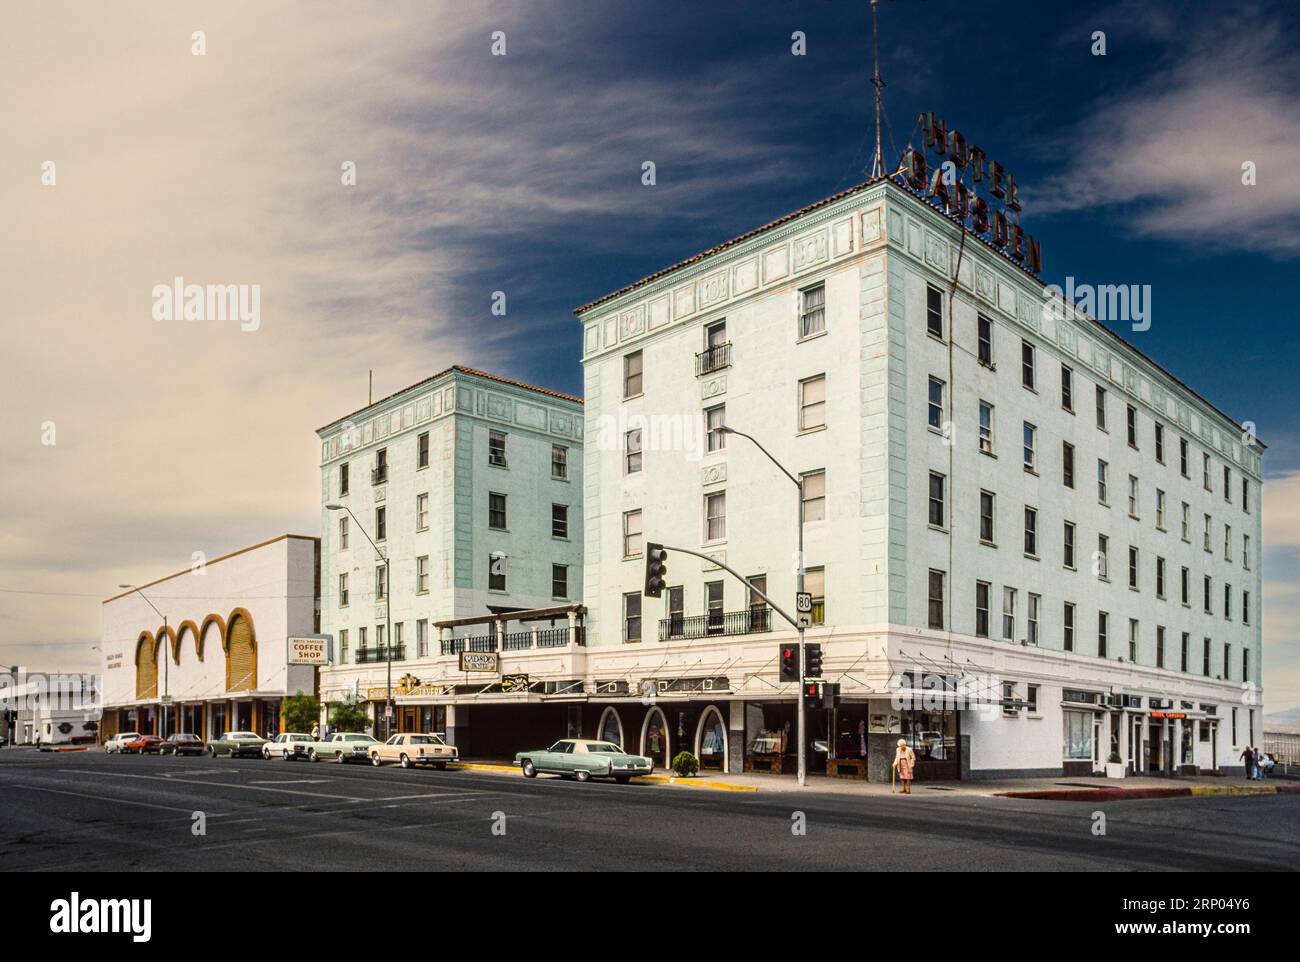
790,662
812,661
831,694
812,694
656,567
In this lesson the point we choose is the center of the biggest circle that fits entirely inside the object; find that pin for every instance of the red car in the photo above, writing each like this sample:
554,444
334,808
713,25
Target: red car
181,744
144,745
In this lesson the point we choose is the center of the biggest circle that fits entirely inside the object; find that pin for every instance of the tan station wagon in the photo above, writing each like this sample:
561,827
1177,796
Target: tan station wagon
413,748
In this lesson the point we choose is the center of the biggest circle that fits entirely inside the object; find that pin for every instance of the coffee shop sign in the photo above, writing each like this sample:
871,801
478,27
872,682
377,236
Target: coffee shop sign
969,186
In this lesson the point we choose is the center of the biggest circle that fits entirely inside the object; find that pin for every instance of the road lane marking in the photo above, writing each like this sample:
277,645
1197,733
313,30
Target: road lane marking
108,798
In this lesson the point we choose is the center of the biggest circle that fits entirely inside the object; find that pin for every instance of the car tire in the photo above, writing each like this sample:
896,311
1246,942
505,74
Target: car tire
374,759
530,771
441,766
406,761
266,753
212,751
582,776
285,755
312,756
622,779
339,758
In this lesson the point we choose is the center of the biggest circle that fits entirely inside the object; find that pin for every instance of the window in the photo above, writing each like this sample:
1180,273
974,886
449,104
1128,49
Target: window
381,523
935,410
380,473
936,499
559,520
496,571
1132,421
1102,494
1160,646
984,334
361,639
422,450
934,312
422,574
1068,545
497,511
1031,434
1103,628
986,427
1067,464
1245,664
632,534
1206,536
343,646
812,310
1009,613
343,479
559,462
559,581
632,616
1245,495
631,375
982,589
717,349
1031,532
1160,509
1185,522
713,606
632,451
343,533
1227,602
814,496
812,403
421,512
1227,542
1205,658
936,599
422,638
1067,620
1103,557
1245,551
497,449
1205,472
1031,700
1160,442
1187,644
1227,659
1031,617
1160,577
1227,484
715,418
381,582
814,582
1182,457
1067,388
986,517
715,516
1132,567
1101,407
1132,496
1027,373
1132,640
1206,601
1185,586
343,589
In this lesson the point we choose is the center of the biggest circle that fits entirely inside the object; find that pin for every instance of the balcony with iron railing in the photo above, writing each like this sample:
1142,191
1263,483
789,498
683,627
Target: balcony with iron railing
713,358
368,656
515,641
379,475
719,623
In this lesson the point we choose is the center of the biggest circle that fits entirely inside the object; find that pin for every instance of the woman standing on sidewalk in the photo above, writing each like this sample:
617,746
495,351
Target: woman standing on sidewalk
905,762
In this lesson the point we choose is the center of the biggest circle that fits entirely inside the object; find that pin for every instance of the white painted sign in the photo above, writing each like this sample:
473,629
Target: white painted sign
309,650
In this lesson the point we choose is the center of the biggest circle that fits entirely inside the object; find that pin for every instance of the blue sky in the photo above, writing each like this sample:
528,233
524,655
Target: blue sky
522,174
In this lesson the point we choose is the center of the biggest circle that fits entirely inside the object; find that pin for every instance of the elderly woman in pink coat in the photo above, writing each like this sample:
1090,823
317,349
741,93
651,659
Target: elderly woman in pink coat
905,764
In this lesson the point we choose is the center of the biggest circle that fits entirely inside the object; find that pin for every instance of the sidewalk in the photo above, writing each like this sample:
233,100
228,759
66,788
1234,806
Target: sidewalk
1081,789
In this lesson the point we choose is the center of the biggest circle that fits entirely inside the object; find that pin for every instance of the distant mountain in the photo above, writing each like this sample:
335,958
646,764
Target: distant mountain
1288,720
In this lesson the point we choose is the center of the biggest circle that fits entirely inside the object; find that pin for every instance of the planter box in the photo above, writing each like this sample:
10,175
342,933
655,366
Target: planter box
1116,770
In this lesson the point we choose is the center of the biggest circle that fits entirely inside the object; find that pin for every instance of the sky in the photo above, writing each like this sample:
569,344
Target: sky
131,443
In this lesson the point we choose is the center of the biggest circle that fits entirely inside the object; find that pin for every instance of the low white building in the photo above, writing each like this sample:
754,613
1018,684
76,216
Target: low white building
206,650
48,709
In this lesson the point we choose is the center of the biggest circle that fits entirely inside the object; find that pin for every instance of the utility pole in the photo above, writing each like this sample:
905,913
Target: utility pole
166,658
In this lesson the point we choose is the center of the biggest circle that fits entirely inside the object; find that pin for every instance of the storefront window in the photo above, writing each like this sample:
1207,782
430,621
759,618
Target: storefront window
851,726
713,742
1187,742
769,729
1078,735
611,730
932,735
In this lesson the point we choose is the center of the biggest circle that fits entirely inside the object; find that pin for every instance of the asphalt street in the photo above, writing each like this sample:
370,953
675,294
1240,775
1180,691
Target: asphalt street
90,811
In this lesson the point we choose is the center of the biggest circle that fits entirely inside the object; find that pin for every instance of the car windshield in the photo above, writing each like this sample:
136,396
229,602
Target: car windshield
604,747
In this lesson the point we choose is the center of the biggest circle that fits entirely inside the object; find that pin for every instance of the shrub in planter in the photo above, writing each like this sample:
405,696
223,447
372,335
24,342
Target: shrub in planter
684,763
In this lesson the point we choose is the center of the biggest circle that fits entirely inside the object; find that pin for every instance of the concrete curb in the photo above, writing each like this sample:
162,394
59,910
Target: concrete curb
656,779
1126,794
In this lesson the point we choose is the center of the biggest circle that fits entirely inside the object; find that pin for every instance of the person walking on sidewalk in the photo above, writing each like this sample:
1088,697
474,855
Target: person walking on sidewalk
1248,756
905,762
1259,765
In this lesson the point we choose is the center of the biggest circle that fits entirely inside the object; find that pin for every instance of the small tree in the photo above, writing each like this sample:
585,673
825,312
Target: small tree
301,712
684,763
348,716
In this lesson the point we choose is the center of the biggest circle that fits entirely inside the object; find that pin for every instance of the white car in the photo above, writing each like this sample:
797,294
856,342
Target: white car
288,745
114,745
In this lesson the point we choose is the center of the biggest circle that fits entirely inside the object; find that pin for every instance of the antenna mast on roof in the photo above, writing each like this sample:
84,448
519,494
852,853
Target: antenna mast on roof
878,159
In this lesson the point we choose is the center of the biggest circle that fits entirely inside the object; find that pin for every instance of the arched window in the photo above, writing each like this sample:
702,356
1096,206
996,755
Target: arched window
711,741
146,666
654,738
241,653
611,727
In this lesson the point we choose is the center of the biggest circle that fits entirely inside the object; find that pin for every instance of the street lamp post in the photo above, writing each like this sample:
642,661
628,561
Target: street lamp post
390,712
803,751
166,659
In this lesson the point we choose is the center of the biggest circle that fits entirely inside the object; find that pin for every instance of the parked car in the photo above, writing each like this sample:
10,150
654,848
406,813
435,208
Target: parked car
342,747
182,743
288,745
114,744
413,748
235,744
584,759
143,745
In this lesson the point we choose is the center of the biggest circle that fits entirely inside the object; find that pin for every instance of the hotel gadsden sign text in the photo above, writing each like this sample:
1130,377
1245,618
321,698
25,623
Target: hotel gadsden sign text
480,661
980,192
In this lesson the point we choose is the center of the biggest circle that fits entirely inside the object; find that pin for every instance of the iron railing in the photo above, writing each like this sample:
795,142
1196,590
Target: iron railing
713,359
366,656
747,621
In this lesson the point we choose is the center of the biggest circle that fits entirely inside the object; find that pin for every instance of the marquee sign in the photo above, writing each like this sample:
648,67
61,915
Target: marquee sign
971,187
